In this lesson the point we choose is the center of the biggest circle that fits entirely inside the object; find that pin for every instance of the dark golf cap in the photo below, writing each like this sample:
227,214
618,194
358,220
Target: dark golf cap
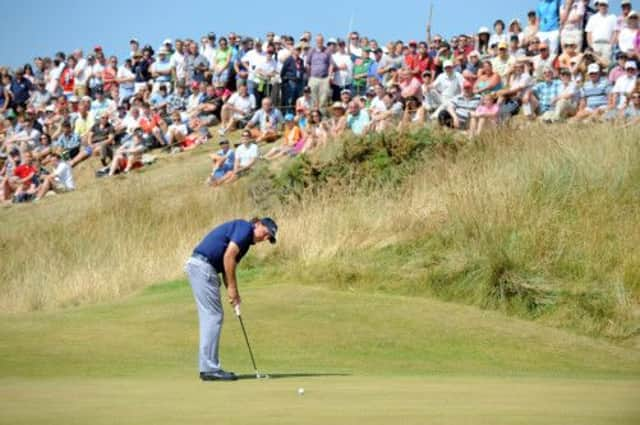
272,227
224,142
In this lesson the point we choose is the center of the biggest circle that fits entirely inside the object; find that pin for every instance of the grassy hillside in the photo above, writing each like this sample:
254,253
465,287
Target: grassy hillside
360,357
540,223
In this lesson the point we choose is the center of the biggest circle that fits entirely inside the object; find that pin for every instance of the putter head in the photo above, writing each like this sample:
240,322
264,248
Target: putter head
261,376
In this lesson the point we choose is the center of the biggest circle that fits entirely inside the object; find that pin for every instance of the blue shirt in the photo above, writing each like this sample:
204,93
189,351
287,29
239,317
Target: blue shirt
68,142
596,95
546,92
548,12
358,124
215,244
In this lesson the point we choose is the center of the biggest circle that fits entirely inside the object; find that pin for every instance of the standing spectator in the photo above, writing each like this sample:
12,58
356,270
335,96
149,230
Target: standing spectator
572,18
141,64
499,36
625,6
482,41
110,74
531,30
161,69
67,79
319,67
126,79
21,89
515,29
628,35
601,31
548,13
292,76
81,74
342,77
251,60
362,70
222,65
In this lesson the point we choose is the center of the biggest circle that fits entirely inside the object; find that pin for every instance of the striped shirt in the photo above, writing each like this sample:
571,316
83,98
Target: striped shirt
464,106
546,91
596,94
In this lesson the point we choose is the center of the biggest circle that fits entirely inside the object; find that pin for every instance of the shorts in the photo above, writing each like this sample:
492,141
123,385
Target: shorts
188,141
122,164
88,150
59,187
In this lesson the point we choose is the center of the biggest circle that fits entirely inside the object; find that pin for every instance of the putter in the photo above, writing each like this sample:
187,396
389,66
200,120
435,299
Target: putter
246,338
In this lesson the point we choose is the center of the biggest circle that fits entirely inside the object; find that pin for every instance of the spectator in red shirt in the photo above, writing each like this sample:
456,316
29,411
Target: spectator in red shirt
22,181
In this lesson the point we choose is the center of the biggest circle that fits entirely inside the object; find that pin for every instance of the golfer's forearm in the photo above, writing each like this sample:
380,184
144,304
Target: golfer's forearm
230,272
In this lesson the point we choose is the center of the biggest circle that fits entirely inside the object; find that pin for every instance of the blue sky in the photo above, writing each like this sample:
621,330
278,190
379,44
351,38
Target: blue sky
40,28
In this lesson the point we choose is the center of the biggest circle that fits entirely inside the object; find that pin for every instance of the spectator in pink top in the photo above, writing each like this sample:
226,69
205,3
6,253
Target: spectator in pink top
486,114
409,84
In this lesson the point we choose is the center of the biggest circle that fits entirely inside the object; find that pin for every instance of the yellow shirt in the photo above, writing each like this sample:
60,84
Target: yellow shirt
83,125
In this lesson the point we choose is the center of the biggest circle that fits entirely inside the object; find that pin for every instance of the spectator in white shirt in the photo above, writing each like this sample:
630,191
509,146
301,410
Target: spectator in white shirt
448,85
624,86
343,75
237,109
601,31
628,34
60,181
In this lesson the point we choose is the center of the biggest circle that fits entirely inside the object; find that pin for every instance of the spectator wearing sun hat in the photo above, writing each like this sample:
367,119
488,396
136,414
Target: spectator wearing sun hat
628,34
624,86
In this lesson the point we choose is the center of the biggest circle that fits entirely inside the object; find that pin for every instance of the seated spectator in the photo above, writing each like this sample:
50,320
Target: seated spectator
102,104
540,99
488,81
177,101
338,121
447,85
84,121
292,142
618,69
622,89
632,112
486,114
593,95
175,134
543,60
358,119
429,95
265,123
315,132
458,113
565,103
503,62
519,82
410,85
91,145
237,110
391,111
303,103
160,97
68,144
223,163
246,156
59,181
128,156
22,184
569,51
149,124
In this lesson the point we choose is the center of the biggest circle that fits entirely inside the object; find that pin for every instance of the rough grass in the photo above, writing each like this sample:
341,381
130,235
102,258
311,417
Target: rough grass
541,223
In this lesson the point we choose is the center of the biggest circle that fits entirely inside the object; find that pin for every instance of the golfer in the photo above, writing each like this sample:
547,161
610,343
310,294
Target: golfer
220,252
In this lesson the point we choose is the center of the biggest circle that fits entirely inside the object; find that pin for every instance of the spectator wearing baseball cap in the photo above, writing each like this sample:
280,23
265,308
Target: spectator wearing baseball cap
457,113
628,31
624,86
594,95
447,85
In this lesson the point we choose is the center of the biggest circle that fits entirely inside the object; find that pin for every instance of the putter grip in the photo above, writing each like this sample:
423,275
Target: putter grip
236,308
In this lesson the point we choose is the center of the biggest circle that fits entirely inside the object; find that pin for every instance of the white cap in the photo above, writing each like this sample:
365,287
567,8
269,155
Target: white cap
332,41
74,99
594,68
167,41
484,30
602,2
447,64
163,50
133,40
277,39
630,64
50,108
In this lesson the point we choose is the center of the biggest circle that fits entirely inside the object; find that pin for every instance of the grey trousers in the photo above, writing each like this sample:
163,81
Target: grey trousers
205,285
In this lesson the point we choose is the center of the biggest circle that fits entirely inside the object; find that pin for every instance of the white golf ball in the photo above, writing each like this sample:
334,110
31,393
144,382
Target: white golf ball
300,391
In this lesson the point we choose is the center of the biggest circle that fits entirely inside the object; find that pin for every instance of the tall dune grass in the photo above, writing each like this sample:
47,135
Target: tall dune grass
540,222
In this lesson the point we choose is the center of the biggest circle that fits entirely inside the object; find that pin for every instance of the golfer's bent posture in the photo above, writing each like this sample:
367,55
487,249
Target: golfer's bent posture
220,252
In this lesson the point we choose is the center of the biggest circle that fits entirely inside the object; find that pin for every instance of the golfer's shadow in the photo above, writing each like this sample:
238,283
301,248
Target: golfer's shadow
294,375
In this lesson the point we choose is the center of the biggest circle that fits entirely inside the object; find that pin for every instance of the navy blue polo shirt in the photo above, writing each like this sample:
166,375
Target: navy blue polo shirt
215,244
21,90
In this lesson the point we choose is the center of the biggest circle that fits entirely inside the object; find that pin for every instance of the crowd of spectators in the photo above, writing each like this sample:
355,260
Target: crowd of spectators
570,61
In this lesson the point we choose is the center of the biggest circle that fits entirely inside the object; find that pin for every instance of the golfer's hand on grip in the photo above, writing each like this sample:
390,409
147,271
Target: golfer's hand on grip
234,296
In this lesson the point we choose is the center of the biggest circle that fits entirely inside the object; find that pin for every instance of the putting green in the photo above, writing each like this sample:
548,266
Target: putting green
362,358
